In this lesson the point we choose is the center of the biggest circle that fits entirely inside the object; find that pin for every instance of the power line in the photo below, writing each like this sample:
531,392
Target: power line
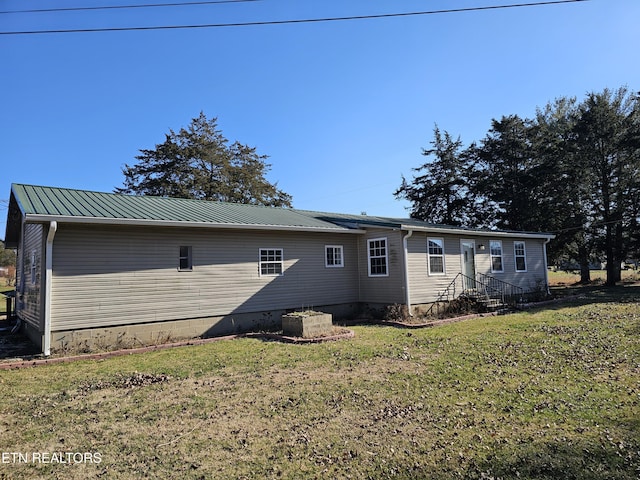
285,22
115,7
590,225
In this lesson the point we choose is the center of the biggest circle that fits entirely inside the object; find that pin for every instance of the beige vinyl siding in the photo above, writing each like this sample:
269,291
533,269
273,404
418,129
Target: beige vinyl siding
117,276
383,289
29,291
529,280
424,287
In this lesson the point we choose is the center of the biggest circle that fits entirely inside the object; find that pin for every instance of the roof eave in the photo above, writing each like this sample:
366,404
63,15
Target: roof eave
479,233
35,218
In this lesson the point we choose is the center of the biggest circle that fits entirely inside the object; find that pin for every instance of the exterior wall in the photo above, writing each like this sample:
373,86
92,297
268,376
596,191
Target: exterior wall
425,288
29,301
384,289
110,281
106,276
533,278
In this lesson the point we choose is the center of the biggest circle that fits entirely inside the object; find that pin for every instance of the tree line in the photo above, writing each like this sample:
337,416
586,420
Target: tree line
572,170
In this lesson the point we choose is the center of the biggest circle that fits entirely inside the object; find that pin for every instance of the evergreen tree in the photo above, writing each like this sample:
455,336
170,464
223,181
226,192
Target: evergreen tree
567,200
573,170
197,162
440,193
507,175
606,138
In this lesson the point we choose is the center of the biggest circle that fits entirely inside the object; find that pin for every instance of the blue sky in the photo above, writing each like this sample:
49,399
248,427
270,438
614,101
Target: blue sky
342,108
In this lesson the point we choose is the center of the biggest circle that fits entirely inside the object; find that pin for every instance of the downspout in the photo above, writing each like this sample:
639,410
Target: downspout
406,271
46,345
546,267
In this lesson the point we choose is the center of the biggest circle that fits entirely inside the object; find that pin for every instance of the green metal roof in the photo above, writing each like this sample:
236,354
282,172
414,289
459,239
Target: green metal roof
38,203
44,204
363,221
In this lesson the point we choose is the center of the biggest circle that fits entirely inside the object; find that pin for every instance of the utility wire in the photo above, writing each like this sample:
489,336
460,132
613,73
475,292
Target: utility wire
114,7
585,227
284,22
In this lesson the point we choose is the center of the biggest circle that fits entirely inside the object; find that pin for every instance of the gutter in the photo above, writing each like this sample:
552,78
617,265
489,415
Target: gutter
46,344
478,233
406,271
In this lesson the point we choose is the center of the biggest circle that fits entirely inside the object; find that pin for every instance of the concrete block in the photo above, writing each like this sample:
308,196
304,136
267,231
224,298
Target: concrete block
306,324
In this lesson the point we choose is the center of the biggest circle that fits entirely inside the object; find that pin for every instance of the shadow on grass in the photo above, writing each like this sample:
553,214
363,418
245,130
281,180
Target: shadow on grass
588,294
583,459
17,346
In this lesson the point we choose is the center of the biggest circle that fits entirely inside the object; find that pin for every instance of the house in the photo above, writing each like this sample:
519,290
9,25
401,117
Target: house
94,265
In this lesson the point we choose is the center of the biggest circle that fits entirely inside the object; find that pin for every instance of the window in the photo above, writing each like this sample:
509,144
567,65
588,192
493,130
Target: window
271,261
33,268
185,260
378,257
435,256
333,256
520,256
495,247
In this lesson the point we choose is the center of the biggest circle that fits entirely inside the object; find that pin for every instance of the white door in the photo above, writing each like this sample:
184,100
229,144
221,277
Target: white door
468,249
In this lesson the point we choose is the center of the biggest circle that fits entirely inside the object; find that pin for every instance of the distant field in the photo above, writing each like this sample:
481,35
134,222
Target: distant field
571,278
546,394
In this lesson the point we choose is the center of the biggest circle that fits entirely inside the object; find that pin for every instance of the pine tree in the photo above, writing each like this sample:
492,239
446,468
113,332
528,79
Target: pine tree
198,162
439,194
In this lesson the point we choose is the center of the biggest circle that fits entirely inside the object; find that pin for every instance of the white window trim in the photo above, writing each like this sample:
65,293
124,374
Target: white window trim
386,257
434,255
516,256
189,258
334,247
261,262
492,256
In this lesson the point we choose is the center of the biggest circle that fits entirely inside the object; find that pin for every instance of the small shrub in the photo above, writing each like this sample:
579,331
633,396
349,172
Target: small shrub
460,306
161,337
538,291
395,313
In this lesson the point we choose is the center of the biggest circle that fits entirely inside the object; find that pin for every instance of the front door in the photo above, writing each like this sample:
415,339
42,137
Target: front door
468,248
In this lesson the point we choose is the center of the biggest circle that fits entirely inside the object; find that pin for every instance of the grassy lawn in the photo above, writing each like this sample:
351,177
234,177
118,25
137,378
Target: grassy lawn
546,394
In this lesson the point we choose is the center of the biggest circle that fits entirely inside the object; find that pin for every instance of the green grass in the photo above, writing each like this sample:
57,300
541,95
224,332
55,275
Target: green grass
547,394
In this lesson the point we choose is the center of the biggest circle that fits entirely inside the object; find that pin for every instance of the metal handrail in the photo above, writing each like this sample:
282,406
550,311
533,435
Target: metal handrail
510,294
484,286
444,296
